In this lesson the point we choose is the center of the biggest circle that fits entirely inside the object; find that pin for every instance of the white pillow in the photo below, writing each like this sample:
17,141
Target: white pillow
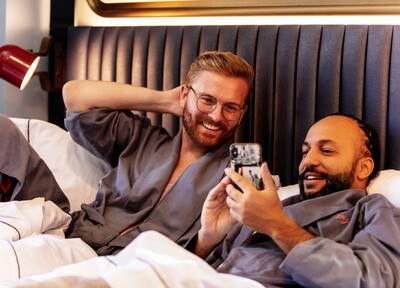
75,170
387,183
288,191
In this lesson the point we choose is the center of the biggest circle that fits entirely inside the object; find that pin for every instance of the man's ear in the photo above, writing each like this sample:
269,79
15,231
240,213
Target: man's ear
366,165
183,94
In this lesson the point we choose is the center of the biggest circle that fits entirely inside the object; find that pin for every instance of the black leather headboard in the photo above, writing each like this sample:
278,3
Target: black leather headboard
302,74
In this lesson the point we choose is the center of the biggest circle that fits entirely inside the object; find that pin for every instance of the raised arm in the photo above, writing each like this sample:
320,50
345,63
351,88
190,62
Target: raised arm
83,95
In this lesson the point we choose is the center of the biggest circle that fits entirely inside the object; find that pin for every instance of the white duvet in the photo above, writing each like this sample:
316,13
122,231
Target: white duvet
33,248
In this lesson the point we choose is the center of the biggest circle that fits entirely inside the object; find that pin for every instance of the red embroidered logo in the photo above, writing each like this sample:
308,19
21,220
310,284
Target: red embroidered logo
343,219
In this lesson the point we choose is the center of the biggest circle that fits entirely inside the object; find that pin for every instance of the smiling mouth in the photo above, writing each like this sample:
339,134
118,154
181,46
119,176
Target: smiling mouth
313,177
210,126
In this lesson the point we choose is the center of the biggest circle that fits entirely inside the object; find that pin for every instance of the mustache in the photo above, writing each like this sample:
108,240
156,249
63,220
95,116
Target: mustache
313,170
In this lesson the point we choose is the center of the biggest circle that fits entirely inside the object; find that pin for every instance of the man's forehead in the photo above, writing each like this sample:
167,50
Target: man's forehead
227,88
336,129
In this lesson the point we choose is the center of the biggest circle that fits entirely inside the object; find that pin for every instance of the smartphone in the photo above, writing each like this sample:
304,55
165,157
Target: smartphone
246,159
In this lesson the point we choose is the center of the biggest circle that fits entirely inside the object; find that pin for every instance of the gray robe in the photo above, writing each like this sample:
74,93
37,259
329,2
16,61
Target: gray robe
357,244
20,161
144,157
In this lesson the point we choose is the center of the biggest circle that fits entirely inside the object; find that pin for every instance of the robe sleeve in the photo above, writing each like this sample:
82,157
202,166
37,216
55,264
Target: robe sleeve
107,133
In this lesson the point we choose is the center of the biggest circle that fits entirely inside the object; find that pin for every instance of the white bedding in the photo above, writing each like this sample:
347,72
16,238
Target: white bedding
32,240
76,171
151,260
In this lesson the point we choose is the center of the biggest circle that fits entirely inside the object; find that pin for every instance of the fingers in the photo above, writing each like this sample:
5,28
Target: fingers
234,193
234,201
226,180
243,183
267,177
218,189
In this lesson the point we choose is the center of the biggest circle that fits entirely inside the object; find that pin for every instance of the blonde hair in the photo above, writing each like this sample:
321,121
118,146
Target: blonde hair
225,63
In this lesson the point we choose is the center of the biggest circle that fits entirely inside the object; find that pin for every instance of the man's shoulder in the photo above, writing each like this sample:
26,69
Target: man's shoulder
377,209
376,201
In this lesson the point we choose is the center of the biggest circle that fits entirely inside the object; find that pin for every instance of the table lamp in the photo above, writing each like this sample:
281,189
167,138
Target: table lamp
17,65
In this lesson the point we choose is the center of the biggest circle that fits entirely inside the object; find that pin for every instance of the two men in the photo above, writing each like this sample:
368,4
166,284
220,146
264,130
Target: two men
337,239
331,235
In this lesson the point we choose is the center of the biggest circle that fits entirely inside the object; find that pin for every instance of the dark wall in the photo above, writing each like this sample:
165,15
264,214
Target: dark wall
62,16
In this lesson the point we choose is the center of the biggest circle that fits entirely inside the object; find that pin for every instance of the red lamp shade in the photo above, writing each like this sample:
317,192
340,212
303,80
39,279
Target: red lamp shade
17,65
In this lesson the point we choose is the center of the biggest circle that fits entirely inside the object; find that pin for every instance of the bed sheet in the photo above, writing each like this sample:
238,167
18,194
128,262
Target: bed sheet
33,251
151,260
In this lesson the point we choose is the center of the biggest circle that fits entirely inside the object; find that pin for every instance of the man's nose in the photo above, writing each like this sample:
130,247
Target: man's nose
310,158
217,113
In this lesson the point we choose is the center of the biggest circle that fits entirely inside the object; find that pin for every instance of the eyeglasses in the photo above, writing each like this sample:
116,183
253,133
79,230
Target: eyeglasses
207,104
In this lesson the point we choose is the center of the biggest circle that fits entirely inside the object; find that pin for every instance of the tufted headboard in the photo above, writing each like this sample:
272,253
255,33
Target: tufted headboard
302,74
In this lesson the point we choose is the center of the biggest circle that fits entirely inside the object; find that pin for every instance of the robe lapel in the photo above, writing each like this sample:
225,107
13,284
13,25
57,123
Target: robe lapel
181,207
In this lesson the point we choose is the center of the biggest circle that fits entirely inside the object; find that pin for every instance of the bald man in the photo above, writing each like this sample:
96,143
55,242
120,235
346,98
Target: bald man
331,235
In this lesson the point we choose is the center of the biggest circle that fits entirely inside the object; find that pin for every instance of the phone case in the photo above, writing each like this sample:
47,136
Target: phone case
246,158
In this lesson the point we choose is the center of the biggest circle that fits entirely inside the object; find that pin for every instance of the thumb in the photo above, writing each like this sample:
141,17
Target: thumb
267,177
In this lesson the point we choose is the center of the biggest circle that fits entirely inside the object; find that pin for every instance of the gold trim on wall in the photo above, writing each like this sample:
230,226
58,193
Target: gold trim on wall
244,8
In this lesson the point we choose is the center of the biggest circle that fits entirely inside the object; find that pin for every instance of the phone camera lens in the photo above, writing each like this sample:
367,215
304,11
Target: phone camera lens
235,152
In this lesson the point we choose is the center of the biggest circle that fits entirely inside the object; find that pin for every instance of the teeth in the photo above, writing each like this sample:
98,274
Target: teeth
211,127
312,177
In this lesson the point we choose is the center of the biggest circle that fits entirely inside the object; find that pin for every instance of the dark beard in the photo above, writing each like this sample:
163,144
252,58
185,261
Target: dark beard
333,183
189,123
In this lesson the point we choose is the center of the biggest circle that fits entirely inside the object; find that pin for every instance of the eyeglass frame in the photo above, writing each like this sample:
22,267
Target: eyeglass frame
241,109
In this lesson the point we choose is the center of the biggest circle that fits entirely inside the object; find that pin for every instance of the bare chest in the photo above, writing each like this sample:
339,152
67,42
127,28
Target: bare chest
178,171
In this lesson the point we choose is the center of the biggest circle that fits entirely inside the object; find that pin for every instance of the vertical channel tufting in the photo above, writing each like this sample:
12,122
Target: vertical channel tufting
377,80
208,38
284,100
302,73
246,48
171,72
139,61
306,87
77,53
155,67
95,47
353,70
264,89
393,127
227,38
189,51
108,54
330,61
124,55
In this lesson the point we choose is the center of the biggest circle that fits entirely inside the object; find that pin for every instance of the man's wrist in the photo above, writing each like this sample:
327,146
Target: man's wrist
289,234
205,243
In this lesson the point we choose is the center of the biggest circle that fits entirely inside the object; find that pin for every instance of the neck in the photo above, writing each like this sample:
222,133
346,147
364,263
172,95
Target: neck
191,149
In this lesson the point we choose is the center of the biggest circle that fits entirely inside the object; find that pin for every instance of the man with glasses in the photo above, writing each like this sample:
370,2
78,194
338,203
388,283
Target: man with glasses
158,182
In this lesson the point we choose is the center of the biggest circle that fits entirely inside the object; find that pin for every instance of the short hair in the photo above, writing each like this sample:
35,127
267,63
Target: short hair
225,63
371,142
